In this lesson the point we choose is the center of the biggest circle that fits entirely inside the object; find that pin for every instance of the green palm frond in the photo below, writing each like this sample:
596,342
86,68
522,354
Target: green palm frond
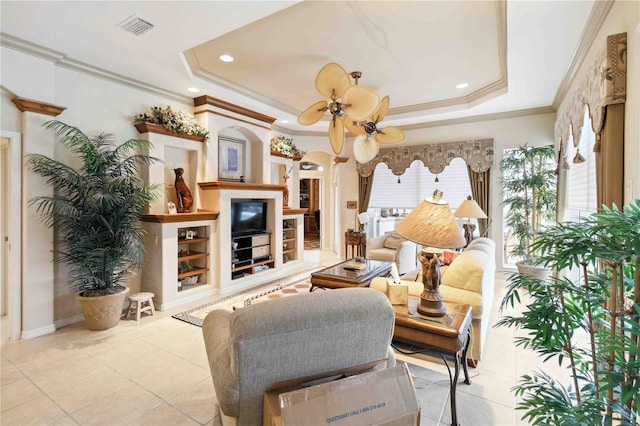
96,209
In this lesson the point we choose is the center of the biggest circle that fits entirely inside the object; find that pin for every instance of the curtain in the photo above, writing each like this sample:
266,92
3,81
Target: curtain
364,194
609,149
480,185
478,154
604,90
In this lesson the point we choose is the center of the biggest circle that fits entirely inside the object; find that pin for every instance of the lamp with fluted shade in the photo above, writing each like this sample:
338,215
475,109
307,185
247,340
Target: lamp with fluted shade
469,209
431,224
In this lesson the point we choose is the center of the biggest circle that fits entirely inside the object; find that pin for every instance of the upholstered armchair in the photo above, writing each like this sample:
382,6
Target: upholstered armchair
282,339
392,247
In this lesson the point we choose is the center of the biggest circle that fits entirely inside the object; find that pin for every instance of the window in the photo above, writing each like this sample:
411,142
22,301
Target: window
406,191
581,199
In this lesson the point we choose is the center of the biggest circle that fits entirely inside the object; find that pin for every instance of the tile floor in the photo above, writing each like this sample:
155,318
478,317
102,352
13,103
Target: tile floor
155,372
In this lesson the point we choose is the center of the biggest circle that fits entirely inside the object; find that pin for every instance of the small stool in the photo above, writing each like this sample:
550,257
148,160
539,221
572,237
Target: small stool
141,302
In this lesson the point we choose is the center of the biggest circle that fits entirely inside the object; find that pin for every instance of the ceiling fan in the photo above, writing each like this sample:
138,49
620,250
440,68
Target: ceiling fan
366,144
353,101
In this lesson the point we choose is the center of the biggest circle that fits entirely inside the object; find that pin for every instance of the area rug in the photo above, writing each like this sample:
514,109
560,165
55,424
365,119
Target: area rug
270,290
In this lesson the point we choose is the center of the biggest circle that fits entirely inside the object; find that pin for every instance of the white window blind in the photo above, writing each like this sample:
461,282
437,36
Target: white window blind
418,183
581,177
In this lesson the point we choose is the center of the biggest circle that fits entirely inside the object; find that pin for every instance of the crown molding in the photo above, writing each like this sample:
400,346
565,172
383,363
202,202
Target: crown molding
228,106
484,117
60,59
598,14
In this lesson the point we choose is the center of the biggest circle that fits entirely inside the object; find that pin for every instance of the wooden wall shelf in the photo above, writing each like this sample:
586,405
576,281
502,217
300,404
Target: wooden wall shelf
220,184
180,217
156,128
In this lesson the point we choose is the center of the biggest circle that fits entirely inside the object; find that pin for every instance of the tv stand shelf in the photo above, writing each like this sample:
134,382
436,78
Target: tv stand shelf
250,253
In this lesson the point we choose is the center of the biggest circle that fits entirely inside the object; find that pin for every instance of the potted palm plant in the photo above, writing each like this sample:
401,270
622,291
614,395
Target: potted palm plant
529,194
95,210
588,322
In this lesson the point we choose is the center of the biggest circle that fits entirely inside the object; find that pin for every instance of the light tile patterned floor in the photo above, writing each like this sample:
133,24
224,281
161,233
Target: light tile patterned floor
155,372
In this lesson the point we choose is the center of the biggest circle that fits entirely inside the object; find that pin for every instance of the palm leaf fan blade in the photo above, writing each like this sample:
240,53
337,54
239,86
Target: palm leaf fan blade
389,135
332,81
359,102
354,127
313,114
365,149
336,134
381,112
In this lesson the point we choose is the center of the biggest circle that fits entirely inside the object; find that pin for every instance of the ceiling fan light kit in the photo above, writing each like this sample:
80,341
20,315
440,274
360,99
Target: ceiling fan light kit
355,107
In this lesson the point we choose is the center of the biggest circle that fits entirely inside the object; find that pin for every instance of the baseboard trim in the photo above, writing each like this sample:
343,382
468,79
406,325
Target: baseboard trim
37,332
68,321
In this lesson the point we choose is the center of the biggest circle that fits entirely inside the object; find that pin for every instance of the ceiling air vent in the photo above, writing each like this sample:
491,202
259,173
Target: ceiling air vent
135,25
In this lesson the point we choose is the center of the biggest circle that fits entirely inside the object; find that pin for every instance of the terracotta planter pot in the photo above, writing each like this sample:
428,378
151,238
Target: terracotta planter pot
102,312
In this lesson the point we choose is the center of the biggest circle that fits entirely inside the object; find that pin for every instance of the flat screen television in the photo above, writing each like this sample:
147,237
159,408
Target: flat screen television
248,216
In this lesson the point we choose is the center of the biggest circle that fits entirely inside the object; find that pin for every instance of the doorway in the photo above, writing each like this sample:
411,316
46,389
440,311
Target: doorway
310,200
10,228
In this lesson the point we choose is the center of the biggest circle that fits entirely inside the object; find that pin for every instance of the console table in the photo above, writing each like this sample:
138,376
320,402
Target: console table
355,244
449,335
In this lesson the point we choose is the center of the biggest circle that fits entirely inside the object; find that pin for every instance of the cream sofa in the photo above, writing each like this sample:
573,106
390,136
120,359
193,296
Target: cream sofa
391,247
468,279
253,347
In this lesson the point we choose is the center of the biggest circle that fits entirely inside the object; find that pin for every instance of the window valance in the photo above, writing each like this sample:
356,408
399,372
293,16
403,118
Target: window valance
603,84
478,154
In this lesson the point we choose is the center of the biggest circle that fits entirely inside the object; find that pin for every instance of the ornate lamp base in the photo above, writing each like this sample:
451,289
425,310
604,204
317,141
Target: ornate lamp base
468,231
431,304
431,301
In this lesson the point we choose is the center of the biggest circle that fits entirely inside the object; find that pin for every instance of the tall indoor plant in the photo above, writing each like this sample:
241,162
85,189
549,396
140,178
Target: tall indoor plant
529,193
95,211
589,324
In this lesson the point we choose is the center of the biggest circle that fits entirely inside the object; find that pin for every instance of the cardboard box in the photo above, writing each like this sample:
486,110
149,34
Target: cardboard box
372,397
398,294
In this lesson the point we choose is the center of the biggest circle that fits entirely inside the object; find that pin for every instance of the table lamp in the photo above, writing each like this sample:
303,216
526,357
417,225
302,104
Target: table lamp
431,224
363,218
469,209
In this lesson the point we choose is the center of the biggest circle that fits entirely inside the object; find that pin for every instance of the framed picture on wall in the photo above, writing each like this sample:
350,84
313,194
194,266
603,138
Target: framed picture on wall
231,158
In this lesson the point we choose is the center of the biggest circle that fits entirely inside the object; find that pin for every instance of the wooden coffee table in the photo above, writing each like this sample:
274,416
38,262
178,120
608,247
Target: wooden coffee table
337,276
448,336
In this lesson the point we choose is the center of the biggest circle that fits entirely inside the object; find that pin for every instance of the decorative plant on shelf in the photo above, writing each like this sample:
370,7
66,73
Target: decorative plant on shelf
178,122
96,212
590,325
285,146
529,192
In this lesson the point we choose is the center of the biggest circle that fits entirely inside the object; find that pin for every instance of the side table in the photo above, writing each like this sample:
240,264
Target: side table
449,335
356,241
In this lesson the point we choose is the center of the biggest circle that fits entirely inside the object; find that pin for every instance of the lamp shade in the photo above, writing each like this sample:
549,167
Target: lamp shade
431,223
469,208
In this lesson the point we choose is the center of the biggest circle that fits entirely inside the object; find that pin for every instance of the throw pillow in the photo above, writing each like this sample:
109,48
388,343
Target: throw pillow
393,242
448,256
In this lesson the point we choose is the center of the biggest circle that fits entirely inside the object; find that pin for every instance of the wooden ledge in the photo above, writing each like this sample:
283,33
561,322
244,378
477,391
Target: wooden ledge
240,185
289,212
37,106
180,217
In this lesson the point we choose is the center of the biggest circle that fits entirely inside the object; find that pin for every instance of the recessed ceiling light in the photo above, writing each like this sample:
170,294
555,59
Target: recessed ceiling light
226,58
284,121
193,89
462,86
